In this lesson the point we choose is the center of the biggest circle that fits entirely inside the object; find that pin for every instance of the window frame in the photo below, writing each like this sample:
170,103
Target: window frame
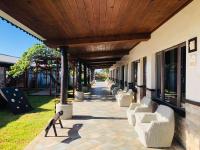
179,98
134,72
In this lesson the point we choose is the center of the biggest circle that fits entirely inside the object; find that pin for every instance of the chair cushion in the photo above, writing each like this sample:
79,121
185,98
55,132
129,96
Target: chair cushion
165,113
146,101
143,127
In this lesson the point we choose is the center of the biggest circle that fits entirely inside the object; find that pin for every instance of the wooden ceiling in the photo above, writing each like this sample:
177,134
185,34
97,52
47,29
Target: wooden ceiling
103,30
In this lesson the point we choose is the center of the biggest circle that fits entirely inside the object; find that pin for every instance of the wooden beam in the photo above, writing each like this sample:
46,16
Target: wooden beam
100,39
102,59
101,62
104,54
100,67
105,65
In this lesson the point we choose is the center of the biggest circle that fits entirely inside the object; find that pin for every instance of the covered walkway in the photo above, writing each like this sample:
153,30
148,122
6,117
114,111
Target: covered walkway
98,124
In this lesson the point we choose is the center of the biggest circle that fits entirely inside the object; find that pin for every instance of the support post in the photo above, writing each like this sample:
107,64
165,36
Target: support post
92,74
46,76
57,74
79,74
64,106
36,76
64,75
74,80
85,75
76,76
50,90
79,95
89,76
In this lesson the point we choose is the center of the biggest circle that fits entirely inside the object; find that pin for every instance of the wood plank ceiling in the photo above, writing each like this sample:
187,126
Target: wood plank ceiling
99,32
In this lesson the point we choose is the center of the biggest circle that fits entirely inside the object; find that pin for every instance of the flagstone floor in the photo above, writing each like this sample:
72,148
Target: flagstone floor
98,124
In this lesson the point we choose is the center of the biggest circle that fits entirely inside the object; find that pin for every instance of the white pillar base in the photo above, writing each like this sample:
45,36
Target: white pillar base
79,95
67,110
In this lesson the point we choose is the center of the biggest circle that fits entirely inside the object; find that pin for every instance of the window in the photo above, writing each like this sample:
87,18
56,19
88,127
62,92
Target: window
122,77
134,73
170,74
144,75
126,73
122,73
118,74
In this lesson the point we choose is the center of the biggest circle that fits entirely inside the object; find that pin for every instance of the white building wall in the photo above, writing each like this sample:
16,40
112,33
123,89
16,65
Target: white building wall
180,28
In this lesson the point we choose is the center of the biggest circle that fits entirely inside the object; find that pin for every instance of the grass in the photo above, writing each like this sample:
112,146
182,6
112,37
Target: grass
16,131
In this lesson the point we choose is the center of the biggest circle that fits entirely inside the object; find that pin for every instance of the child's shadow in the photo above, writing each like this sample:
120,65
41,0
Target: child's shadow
73,133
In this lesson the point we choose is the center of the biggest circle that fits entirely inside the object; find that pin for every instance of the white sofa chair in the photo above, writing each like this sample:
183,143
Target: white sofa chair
93,82
156,129
144,106
120,92
115,90
107,81
111,86
125,99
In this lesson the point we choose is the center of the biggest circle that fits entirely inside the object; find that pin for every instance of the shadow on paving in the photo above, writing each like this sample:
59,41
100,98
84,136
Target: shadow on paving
100,94
73,134
87,117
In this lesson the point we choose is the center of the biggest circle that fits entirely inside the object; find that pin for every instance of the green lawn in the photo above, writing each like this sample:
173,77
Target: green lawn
16,131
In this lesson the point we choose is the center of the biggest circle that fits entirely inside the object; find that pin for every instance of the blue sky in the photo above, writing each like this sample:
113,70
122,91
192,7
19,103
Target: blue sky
14,41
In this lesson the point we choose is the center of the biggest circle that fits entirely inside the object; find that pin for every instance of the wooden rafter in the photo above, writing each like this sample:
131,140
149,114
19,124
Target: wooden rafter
102,59
102,39
104,54
102,62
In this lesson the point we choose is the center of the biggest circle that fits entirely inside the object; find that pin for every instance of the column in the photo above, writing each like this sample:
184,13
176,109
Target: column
92,74
64,75
140,80
85,75
79,73
74,86
89,75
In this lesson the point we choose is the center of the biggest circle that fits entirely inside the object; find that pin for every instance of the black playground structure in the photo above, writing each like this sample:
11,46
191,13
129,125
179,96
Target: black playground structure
15,99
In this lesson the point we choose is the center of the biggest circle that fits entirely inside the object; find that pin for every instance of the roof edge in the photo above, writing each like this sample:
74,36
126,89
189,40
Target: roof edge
19,25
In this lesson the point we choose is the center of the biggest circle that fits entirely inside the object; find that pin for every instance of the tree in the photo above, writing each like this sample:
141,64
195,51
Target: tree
102,74
106,71
30,57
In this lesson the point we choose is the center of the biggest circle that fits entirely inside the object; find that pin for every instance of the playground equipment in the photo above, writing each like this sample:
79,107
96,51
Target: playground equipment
16,100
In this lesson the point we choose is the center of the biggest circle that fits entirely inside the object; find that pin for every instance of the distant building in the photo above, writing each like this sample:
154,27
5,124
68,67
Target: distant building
5,62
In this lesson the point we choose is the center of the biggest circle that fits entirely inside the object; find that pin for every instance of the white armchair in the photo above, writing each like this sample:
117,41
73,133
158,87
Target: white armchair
107,81
120,92
144,106
111,86
93,82
115,90
125,99
156,129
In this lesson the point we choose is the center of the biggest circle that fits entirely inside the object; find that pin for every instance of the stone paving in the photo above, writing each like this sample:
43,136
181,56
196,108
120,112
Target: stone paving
98,124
